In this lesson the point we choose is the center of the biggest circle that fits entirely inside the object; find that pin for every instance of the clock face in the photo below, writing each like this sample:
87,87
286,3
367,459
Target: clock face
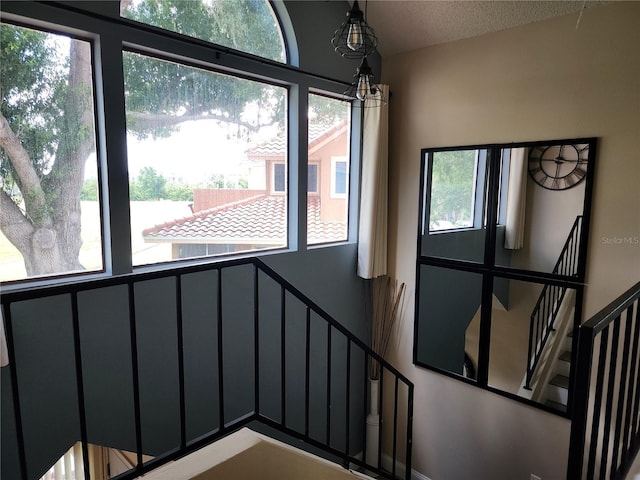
558,167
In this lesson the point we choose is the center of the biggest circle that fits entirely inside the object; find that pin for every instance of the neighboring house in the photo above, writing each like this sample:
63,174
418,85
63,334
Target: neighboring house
236,220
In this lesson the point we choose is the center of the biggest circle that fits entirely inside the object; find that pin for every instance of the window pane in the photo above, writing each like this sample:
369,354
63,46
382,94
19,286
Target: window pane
453,218
452,189
246,25
340,178
312,178
329,141
201,149
48,169
279,178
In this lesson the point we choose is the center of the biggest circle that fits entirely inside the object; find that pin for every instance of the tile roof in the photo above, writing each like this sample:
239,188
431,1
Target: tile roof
277,146
258,220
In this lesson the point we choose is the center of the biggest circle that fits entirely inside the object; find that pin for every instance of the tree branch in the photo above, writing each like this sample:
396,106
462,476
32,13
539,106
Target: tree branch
124,4
16,227
152,120
31,187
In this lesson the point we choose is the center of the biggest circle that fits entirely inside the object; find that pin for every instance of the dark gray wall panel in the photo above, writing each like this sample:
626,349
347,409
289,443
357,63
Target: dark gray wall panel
106,364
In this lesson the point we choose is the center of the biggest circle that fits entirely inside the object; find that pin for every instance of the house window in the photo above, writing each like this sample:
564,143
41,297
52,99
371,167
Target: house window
339,177
279,178
246,25
329,146
190,146
312,178
48,168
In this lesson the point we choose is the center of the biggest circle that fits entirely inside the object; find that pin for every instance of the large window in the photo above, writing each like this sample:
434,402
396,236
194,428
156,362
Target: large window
193,138
49,208
198,165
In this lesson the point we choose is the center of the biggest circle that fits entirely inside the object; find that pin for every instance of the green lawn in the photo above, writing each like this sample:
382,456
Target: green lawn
143,215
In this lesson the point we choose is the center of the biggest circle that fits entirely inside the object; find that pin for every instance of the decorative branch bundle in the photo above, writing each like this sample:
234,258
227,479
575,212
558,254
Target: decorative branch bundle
387,298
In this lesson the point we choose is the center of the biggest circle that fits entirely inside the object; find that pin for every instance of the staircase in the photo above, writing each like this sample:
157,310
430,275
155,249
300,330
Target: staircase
551,325
557,394
549,383
191,355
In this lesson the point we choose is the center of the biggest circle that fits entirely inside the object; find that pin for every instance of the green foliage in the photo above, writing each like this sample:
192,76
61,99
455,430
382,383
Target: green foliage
33,77
243,183
452,188
327,111
158,88
90,190
215,181
245,25
149,185
179,192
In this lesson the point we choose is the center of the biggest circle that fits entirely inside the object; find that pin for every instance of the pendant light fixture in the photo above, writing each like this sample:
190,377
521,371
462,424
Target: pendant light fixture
364,88
355,38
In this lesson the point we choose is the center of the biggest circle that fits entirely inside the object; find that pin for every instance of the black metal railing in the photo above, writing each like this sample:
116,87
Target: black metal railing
605,431
545,312
318,338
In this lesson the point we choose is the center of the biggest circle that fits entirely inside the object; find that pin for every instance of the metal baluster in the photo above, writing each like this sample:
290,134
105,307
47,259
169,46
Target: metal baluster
135,375
283,364
307,372
181,386
80,384
610,392
220,356
595,426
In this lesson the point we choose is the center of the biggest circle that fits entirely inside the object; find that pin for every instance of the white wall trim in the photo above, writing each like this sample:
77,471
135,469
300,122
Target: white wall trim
401,469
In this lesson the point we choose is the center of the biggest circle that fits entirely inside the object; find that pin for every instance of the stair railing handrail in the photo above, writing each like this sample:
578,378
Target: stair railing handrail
545,311
593,406
73,288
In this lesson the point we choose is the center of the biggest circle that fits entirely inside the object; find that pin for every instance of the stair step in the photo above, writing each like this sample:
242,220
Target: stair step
563,367
556,405
561,381
567,344
565,356
558,390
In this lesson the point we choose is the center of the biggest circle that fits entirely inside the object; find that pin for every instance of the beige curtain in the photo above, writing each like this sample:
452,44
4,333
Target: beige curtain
372,229
516,200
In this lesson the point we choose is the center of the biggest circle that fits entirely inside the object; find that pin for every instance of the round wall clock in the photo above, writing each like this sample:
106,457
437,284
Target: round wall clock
558,167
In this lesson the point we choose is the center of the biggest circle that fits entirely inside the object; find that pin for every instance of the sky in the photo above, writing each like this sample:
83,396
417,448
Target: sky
198,150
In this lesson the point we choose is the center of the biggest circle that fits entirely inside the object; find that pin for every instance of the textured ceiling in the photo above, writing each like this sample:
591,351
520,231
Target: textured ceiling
402,25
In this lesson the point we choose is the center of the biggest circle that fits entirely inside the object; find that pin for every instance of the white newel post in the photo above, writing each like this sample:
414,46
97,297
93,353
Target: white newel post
373,424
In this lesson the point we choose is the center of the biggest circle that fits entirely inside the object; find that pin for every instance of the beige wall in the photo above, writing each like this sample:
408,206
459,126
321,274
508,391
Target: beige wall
543,81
